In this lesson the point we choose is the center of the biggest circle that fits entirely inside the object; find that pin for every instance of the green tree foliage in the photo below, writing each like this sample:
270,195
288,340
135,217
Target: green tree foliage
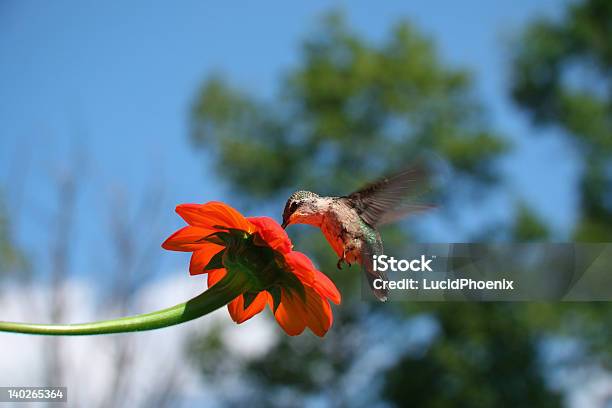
466,370
528,227
349,111
562,73
561,77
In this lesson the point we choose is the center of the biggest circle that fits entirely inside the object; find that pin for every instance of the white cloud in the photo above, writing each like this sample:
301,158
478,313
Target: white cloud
88,361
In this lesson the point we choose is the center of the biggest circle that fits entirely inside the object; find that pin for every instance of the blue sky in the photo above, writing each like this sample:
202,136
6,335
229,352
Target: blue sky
119,78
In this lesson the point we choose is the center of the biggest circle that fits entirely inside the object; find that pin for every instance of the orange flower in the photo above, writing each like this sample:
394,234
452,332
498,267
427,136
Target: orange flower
223,241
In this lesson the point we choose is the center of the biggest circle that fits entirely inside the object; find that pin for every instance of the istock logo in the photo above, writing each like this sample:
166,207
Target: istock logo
388,263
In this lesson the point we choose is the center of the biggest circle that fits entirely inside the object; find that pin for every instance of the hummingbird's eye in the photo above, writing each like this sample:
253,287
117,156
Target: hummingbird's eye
293,206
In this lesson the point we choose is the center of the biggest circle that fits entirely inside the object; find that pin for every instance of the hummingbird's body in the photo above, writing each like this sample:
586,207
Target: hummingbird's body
343,228
350,223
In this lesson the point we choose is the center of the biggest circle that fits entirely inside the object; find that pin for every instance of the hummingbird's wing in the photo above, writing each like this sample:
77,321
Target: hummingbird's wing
391,198
367,265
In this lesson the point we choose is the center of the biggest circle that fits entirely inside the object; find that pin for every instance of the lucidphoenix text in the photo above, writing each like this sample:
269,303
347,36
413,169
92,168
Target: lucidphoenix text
444,284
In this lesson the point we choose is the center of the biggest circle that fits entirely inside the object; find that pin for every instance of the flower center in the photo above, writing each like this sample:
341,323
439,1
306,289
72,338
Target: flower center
263,266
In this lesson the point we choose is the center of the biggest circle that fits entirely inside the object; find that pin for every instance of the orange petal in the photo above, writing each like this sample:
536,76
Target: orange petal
215,276
187,239
319,316
325,287
212,214
236,306
294,314
240,314
301,266
202,257
272,233
291,314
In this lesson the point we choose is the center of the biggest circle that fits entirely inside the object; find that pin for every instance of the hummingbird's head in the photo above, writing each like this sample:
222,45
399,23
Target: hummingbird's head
301,208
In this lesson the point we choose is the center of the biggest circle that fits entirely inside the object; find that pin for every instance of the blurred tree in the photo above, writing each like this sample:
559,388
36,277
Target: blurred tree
11,259
350,111
562,76
527,226
465,369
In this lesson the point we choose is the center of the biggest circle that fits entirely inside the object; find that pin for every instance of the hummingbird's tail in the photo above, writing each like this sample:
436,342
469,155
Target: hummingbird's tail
374,277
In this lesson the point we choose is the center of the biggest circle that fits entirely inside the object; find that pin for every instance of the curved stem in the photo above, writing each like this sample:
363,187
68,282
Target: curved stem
212,299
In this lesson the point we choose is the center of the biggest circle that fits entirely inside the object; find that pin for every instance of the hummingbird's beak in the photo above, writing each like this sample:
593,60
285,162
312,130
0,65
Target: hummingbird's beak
285,223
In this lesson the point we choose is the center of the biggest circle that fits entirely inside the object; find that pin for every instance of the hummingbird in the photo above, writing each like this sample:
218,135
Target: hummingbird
350,223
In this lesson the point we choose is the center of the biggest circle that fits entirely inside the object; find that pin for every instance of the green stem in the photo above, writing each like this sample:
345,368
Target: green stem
215,297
